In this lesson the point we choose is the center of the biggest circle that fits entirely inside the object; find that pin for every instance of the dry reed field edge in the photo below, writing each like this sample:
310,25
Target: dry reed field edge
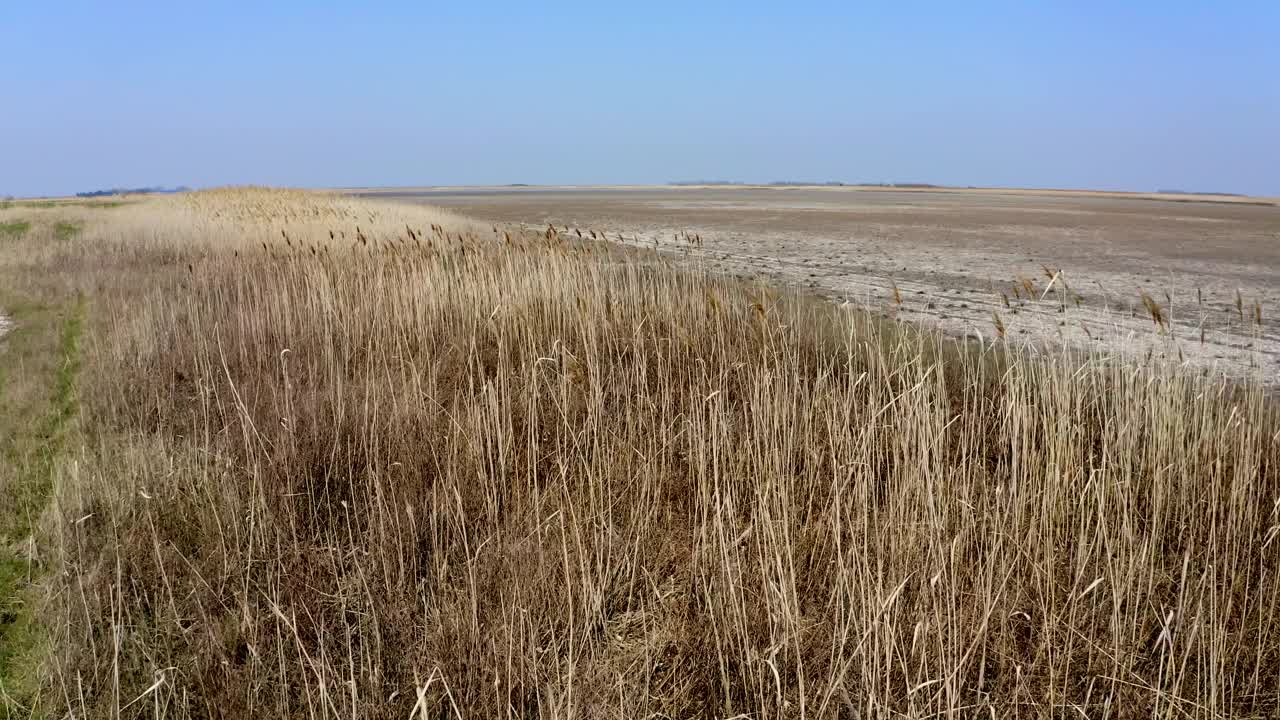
340,458
1034,311
956,251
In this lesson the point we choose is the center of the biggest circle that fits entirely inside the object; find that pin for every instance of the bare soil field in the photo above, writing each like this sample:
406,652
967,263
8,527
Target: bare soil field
1195,279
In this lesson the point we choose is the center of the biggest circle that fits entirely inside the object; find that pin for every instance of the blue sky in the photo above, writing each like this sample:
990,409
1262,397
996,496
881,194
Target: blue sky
1137,95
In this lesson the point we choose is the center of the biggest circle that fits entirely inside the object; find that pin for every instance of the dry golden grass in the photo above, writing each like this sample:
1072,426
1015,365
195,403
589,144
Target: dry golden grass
427,469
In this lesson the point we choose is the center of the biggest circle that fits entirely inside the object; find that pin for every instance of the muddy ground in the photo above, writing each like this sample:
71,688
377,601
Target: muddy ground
960,260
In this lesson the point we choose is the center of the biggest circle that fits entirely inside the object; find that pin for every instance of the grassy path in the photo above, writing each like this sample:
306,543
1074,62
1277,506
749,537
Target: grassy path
39,366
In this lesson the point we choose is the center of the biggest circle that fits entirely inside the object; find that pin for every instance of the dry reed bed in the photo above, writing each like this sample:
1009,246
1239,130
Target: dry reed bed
425,469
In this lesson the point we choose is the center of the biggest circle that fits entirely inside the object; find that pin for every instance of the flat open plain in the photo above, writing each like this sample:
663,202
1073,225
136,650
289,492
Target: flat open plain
961,259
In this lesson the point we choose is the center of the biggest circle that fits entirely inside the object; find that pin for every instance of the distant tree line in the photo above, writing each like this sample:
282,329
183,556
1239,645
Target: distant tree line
832,183
1192,192
132,191
800,183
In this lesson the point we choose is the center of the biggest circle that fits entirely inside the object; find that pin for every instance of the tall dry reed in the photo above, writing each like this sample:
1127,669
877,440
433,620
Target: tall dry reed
437,471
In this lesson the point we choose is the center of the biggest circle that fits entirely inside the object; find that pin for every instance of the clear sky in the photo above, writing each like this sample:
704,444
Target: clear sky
1117,95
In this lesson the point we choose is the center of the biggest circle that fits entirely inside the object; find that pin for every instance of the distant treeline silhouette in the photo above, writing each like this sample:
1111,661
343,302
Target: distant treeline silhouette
1193,192
800,183
132,191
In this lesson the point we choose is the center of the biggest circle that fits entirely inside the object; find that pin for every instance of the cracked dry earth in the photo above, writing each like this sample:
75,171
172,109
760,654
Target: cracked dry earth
1050,269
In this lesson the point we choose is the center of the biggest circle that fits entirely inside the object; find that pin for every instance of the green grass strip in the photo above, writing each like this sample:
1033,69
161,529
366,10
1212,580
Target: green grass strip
14,230
32,455
65,230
